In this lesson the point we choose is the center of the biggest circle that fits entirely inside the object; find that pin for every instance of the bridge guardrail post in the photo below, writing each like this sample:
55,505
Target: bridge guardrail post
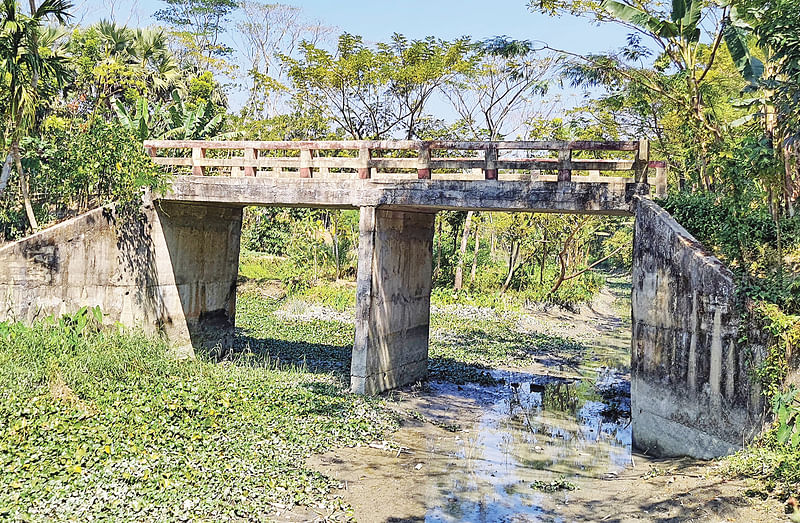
364,156
641,162
424,162
490,168
305,162
565,165
250,154
661,178
198,153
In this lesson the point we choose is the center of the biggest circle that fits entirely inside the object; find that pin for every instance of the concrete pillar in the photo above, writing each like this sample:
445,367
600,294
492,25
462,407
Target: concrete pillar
395,254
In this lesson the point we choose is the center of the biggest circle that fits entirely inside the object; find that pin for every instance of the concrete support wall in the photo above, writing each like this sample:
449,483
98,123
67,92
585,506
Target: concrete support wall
690,390
395,254
172,269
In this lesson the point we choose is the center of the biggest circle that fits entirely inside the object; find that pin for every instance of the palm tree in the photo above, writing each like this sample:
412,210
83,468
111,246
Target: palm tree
145,53
31,69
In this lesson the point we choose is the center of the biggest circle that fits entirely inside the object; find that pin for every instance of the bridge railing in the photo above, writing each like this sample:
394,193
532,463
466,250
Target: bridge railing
366,158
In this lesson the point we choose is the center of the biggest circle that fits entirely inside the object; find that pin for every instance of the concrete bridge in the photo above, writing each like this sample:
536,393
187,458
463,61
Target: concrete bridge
173,268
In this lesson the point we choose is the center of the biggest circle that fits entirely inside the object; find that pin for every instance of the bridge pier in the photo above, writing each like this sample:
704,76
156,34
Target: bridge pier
393,291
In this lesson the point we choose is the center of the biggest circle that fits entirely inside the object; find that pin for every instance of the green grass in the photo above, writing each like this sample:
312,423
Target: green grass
104,425
774,467
461,349
261,267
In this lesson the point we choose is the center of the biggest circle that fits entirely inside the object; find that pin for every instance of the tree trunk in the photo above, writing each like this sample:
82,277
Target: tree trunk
474,270
512,267
335,223
23,186
459,280
438,270
5,173
492,238
544,258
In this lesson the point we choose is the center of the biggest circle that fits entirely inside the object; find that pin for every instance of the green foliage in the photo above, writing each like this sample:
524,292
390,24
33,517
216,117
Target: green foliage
555,485
90,410
114,62
201,23
173,121
375,92
774,458
337,297
740,228
786,407
783,339
267,230
260,267
85,166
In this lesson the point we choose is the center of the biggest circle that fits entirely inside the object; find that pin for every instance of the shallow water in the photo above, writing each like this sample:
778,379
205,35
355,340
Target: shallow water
533,429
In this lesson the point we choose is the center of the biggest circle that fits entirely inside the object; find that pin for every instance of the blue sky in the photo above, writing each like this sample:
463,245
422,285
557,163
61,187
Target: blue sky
378,19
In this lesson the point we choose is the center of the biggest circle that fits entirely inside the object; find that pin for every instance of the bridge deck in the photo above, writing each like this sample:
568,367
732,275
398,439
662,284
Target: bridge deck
410,175
609,198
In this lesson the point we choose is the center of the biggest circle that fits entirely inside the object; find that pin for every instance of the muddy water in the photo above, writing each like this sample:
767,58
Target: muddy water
547,444
533,436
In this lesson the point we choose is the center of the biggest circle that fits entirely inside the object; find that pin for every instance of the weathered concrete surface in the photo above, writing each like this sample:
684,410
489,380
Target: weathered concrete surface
690,390
420,195
395,253
170,270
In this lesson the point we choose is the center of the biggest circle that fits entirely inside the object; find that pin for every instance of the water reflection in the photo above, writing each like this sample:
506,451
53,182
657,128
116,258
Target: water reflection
537,429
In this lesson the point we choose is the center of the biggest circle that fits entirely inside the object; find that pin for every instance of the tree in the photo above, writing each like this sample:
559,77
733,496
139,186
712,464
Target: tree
776,24
32,70
375,92
200,25
681,72
114,62
500,89
267,31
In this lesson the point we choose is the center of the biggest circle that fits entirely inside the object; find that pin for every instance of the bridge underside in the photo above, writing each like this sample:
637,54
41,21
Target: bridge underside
607,198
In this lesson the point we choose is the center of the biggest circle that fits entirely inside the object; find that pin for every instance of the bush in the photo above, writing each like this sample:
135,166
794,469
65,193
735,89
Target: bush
75,167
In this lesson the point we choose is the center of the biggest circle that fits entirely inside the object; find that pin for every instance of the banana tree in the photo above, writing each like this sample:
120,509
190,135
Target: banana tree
193,124
679,36
142,121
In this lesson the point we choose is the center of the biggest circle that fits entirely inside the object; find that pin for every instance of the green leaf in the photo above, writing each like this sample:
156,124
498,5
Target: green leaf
783,433
688,22
743,120
678,10
749,67
662,28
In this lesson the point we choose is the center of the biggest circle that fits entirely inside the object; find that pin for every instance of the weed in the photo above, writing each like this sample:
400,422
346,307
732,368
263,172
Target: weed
553,486
98,422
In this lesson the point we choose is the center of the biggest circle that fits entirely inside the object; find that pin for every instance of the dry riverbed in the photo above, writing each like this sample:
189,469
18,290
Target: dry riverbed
549,441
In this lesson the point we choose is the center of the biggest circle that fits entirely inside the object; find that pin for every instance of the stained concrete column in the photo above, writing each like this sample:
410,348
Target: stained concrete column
395,254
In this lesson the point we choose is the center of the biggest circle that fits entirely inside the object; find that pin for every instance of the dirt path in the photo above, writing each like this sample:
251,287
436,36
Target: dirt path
548,445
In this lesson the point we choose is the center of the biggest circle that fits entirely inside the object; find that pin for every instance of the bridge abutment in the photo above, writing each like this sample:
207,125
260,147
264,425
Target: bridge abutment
393,291
691,389
169,268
